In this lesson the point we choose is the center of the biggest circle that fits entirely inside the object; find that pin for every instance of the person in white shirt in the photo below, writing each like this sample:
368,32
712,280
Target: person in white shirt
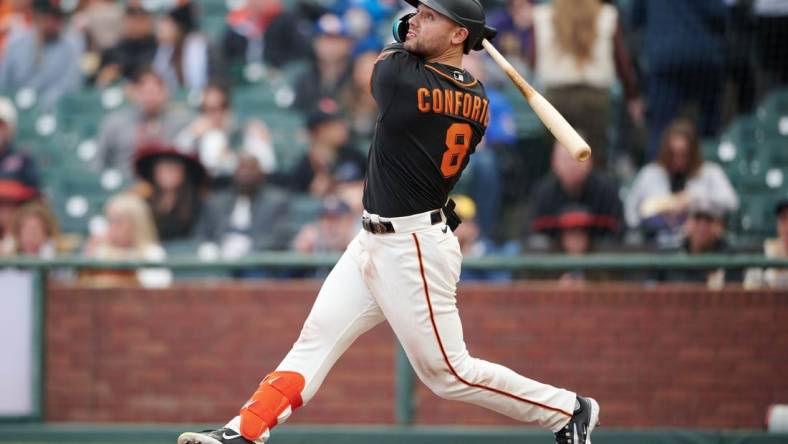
579,54
661,194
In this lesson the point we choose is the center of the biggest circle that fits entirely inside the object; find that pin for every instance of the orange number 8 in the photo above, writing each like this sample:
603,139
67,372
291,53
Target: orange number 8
458,140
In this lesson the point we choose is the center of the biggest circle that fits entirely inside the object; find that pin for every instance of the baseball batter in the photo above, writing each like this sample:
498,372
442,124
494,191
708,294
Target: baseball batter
403,267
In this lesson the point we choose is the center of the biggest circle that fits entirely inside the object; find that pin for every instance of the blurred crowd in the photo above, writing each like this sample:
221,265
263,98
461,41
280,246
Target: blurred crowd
646,82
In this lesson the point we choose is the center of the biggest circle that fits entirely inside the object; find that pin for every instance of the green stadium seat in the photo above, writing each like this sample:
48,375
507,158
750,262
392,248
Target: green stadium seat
756,215
288,136
213,27
304,209
213,8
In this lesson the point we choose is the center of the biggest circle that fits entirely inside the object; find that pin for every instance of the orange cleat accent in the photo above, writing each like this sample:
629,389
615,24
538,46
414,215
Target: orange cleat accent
279,393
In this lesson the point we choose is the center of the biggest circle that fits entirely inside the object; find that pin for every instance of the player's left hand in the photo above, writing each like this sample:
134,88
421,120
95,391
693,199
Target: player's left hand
489,34
401,27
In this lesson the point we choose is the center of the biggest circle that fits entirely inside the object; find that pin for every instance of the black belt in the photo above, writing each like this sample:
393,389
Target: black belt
383,227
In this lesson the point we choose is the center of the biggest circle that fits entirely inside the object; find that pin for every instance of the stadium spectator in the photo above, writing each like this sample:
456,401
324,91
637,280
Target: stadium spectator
331,69
662,191
575,224
216,134
363,16
264,32
514,23
685,61
43,57
578,183
356,99
579,50
15,15
181,57
485,186
330,154
704,233
35,231
130,235
18,176
133,52
101,22
367,20
740,81
250,216
332,232
773,248
150,119
173,184
771,36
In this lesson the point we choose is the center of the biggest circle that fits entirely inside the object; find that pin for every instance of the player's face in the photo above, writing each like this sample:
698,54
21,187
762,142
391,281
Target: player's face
430,33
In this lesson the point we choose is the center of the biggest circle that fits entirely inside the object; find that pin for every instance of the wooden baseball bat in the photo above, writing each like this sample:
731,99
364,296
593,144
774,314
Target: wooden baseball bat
547,113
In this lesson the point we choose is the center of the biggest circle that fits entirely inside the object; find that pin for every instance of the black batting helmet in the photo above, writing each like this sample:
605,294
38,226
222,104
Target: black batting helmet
467,13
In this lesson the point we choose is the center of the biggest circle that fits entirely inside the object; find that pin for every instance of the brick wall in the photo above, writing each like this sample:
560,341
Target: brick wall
672,356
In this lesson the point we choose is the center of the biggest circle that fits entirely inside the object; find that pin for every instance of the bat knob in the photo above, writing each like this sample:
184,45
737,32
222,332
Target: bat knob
584,154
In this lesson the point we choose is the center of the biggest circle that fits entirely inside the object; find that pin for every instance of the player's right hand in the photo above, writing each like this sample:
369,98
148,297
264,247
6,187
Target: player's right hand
401,27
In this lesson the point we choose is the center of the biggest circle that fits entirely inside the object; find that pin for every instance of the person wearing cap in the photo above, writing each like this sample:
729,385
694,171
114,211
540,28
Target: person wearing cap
331,69
251,215
173,183
18,175
150,119
335,228
264,32
704,233
575,224
44,57
181,57
133,52
329,153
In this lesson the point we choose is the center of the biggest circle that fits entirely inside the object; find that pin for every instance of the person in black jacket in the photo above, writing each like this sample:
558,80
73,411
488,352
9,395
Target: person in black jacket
578,183
134,51
249,216
263,32
330,155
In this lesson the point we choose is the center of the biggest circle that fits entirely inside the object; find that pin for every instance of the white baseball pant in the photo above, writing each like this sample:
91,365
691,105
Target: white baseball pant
410,279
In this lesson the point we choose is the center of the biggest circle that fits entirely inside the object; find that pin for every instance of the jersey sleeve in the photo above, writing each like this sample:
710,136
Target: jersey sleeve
394,67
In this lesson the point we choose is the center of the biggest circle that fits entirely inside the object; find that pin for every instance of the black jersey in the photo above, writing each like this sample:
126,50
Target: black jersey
431,118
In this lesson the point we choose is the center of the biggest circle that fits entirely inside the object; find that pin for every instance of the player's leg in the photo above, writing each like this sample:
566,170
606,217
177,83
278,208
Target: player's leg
417,294
343,310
